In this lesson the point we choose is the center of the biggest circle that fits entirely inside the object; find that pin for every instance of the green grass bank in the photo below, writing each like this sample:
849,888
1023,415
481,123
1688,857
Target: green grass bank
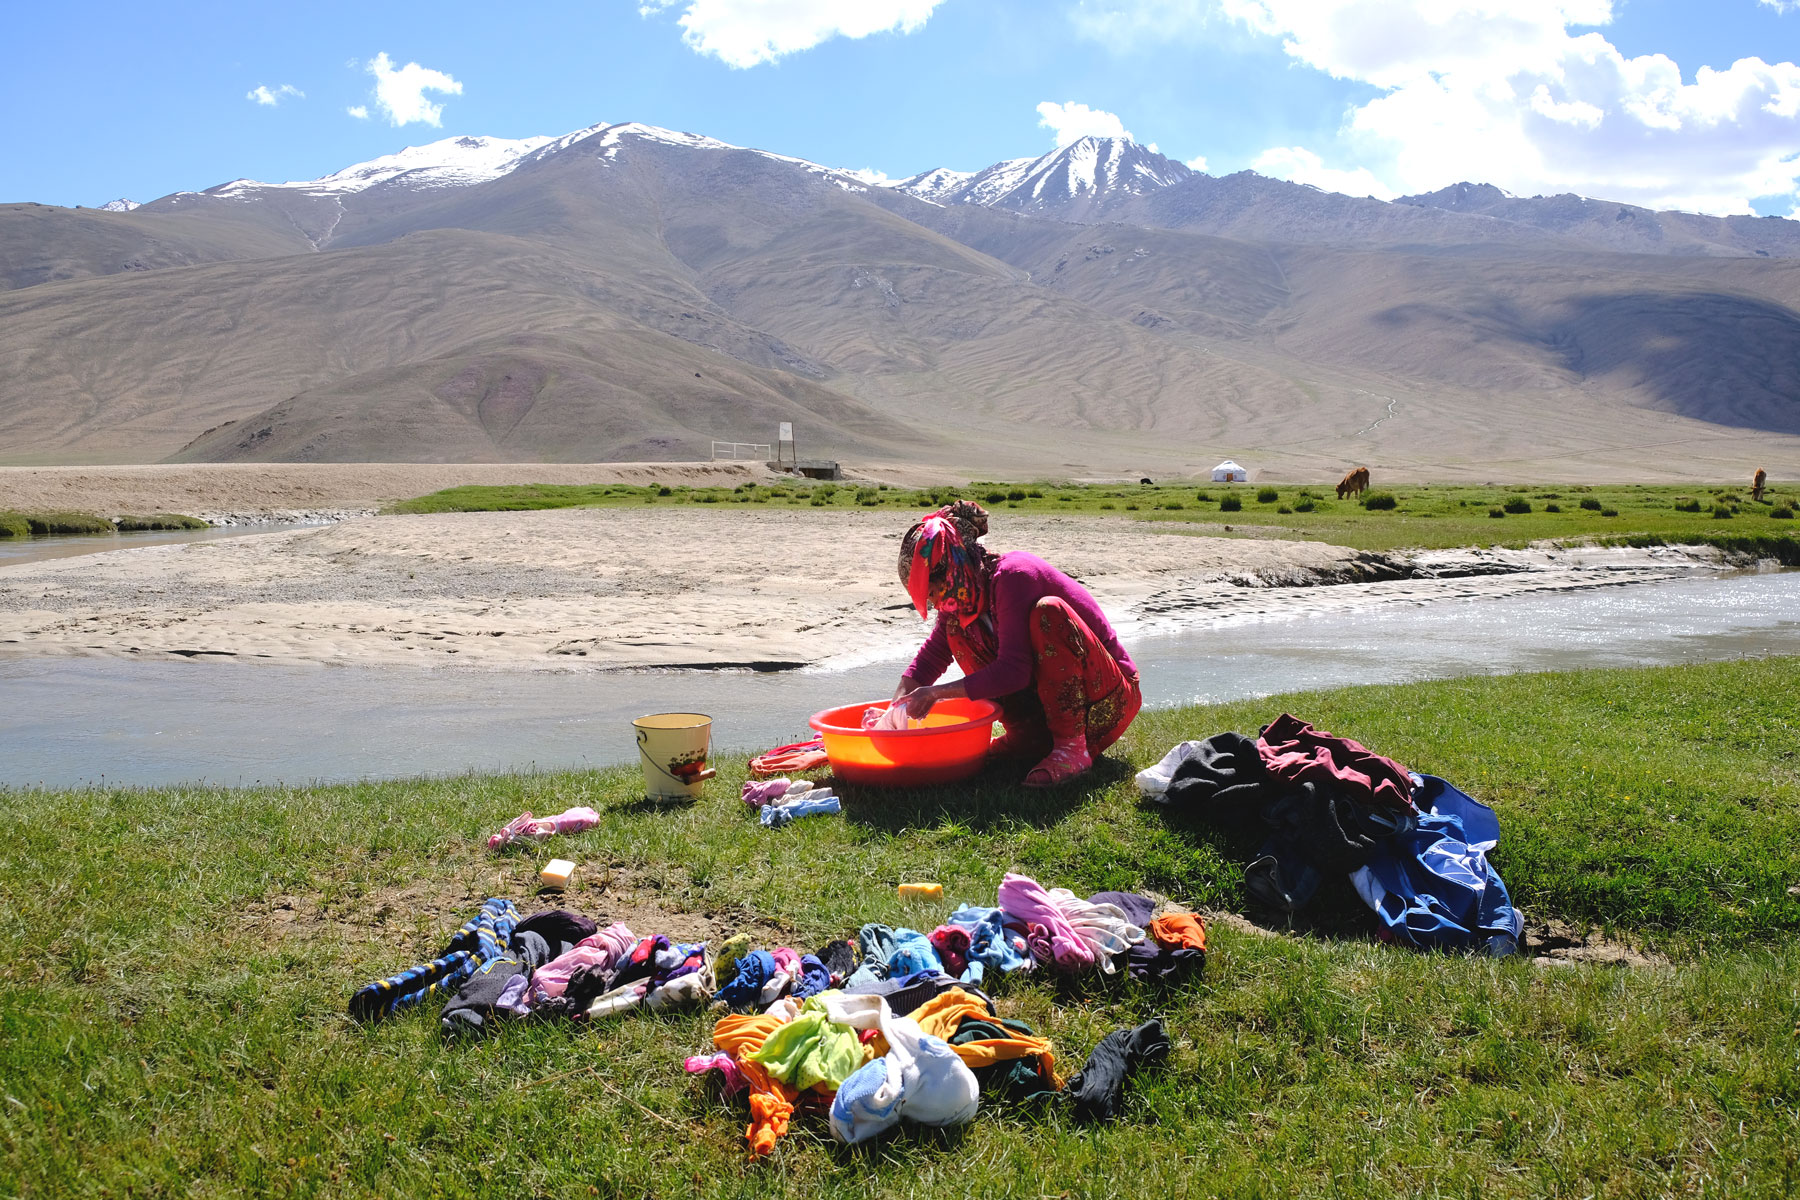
1435,517
177,961
15,524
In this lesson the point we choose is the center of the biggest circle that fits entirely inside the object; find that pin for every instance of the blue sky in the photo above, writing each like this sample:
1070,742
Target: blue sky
1674,103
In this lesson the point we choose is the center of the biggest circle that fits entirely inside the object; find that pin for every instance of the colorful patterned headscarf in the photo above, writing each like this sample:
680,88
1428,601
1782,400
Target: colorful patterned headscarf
944,545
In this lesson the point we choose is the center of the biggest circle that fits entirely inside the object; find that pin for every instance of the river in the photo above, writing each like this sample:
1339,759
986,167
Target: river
103,721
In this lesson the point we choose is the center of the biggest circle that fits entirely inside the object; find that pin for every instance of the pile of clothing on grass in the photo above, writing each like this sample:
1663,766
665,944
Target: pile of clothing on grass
892,1025
1413,846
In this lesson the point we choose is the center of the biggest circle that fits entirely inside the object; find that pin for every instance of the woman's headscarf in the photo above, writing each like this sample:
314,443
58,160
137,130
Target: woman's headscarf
946,545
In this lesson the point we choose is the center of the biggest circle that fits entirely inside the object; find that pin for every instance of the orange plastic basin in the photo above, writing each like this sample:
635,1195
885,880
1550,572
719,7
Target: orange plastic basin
950,745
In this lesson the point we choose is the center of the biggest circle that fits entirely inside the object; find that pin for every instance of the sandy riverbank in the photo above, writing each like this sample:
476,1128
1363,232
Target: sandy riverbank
656,587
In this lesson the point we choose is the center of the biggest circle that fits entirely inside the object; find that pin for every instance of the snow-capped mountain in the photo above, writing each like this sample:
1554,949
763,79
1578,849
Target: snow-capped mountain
1090,180
453,162
465,161
1067,182
119,205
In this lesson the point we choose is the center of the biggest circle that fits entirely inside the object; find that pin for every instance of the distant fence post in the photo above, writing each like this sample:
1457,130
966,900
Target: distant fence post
736,451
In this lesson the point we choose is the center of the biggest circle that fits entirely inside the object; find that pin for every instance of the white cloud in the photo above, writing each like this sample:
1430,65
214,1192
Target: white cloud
400,93
1526,94
1126,25
1197,164
872,177
359,111
270,97
1783,6
1296,164
746,33
1071,122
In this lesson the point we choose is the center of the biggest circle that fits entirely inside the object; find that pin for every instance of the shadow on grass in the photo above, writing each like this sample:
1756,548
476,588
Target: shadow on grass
1335,912
653,804
991,800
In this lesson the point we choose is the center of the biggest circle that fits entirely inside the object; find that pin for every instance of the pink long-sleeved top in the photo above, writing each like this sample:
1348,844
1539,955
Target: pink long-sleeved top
1020,581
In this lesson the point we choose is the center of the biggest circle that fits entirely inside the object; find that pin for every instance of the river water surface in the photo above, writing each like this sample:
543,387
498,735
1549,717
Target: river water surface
71,721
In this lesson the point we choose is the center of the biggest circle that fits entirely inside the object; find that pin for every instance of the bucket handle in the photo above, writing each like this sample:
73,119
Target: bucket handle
643,735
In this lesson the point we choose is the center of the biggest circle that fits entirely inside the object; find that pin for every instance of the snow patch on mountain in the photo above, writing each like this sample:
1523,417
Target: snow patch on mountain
935,185
453,162
614,136
1085,169
119,205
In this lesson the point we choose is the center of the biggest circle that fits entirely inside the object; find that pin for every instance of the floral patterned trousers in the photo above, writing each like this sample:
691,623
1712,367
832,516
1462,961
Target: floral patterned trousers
1076,686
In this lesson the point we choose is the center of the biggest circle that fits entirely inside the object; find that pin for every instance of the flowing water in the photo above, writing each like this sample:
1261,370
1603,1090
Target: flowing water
71,721
14,551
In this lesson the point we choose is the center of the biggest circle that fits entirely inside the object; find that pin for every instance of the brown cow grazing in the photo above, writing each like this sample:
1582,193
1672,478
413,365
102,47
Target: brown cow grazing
1756,485
1355,483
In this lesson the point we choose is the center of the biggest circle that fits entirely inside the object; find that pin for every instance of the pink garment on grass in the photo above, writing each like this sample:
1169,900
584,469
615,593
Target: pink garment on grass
952,945
525,825
733,1081
1105,928
1295,752
1022,898
606,949
787,960
773,791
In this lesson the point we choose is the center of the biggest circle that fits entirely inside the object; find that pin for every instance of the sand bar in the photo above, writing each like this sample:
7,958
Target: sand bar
632,587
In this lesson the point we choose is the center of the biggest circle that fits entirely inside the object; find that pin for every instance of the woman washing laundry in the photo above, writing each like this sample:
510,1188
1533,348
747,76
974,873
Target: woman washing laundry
1026,636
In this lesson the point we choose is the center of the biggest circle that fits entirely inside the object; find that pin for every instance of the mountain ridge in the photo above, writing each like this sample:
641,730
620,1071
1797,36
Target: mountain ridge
625,290
1089,179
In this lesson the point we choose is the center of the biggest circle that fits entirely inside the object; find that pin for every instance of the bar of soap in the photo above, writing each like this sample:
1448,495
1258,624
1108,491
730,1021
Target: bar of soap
921,891
556,873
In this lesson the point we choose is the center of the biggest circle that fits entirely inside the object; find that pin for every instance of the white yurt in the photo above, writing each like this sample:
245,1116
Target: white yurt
1230,472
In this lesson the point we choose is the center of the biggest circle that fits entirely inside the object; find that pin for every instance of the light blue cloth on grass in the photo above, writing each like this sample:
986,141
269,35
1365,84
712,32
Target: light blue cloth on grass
991,944
811,804
913,952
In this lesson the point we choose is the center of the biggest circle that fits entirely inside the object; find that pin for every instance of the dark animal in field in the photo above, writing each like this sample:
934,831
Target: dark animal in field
1354,484
1756,485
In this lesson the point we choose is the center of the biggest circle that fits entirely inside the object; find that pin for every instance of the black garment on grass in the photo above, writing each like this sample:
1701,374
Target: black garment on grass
1098,1090
1311,829
533,950
1225,772
559,928
471,1010
839,958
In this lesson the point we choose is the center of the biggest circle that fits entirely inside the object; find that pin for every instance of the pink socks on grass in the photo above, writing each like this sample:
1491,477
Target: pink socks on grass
774,791
538,828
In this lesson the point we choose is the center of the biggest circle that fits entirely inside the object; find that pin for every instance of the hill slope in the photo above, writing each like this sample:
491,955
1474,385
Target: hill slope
628,292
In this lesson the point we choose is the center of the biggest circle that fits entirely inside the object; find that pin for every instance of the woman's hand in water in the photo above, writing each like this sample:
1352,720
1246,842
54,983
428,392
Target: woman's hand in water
918,701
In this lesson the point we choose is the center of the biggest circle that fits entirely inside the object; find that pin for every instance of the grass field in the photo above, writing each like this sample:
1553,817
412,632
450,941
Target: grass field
176,964
1422,517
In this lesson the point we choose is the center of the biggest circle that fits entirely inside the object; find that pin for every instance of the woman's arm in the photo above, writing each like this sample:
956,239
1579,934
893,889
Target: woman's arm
920,700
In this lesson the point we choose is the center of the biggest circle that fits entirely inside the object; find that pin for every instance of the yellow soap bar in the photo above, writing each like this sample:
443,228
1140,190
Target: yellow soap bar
556,873
921,891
